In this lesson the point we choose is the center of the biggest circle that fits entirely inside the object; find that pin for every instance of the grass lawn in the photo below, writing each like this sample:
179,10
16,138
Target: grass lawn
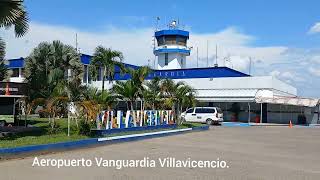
44,135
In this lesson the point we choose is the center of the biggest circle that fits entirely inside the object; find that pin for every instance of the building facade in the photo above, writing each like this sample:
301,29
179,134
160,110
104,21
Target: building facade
254,98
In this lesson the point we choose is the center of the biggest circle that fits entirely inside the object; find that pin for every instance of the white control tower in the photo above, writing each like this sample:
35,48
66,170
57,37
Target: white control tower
171,50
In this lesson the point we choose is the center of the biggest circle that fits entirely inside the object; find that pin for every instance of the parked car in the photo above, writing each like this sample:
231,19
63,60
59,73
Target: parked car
208,115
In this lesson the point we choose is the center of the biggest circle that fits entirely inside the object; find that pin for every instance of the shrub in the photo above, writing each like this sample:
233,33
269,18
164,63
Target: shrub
43,113
84,128
55,129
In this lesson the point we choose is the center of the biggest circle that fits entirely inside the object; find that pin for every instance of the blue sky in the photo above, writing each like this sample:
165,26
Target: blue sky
274,22
281,37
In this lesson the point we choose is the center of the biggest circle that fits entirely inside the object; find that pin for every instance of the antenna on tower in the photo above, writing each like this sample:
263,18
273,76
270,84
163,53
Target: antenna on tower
197,57
250,61
76,42
157,22
216,64
207,53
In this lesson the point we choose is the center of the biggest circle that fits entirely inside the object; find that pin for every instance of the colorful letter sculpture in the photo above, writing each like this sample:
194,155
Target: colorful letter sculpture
107,120
119,119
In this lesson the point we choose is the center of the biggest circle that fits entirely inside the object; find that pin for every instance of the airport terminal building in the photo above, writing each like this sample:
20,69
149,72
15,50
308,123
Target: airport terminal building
262,99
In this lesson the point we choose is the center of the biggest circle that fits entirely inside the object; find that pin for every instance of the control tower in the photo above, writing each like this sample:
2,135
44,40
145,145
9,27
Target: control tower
171,49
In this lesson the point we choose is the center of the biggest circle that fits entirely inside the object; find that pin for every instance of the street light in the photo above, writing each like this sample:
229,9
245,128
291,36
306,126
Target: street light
69,104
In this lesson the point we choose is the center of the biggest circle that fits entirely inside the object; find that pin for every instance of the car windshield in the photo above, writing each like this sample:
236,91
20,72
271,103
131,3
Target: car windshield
219,110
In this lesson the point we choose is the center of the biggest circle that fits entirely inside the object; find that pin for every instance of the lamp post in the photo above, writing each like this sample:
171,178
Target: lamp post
69,76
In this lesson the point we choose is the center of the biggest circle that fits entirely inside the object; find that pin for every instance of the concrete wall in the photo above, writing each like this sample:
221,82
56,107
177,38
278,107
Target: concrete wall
259,82
174,61
276,113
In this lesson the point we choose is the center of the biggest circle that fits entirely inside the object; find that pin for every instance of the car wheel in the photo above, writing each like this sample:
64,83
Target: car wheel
2,123
209,121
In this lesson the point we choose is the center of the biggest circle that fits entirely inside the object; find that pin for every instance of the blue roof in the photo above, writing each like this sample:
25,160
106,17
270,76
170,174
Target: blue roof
85,59
210,72
16,63
172,32
170,50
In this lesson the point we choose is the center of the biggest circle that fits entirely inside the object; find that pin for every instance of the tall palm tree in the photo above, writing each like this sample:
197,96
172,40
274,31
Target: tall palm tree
13,13
138,77
2,49
177,95
104,99
152,93
185,96
48,64
3,67
126,91
108,59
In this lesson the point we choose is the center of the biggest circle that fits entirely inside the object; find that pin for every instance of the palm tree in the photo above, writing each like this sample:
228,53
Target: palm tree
138,77
3,67
185,96
12,13
107,59
177,95
48,64
126,91
2,49
152,93
105,99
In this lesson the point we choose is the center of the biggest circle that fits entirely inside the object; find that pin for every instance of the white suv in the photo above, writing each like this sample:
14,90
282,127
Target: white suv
209,115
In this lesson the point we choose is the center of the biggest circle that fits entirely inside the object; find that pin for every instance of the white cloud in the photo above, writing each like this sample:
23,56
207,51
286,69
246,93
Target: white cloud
287,76
289,64
314,71
136,44
315,28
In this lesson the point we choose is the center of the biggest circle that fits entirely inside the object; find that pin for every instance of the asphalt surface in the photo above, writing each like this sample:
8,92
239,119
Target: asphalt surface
252,153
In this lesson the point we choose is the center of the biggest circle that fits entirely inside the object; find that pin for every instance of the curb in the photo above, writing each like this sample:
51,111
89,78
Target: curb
6,152
235,124
119,130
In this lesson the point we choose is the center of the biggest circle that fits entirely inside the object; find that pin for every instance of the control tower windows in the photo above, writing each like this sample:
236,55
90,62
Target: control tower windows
172,40
166,61
181,40
161,41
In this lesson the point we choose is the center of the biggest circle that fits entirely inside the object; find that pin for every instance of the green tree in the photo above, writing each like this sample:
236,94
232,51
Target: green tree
138,77
3,67
50,63
152,93
107,59
126,91
177,95
104,100
12,13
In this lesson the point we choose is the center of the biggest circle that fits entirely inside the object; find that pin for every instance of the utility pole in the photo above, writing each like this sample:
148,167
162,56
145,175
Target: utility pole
197,57
216,64
207,53
77,42
154,47
250,65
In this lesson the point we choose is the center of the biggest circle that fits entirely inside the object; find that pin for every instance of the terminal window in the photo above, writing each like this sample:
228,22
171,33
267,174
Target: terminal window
166,59
15,72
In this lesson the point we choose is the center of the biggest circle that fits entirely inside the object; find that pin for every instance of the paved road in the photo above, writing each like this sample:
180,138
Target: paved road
253,153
